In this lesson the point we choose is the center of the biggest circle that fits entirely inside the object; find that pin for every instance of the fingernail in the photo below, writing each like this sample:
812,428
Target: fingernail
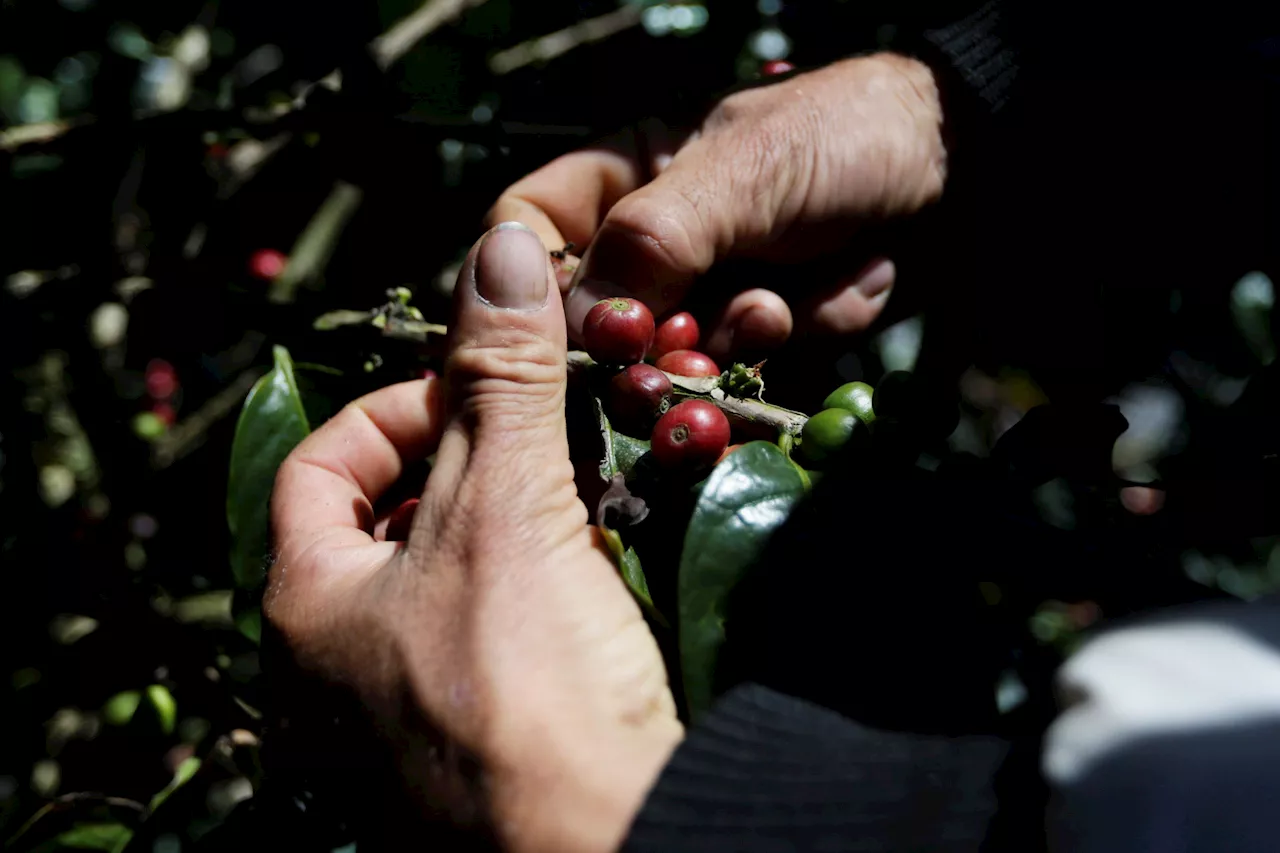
585,294
511,268
876,277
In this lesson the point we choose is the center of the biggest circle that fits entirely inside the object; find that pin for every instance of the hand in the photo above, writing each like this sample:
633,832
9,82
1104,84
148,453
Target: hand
501,625
785,173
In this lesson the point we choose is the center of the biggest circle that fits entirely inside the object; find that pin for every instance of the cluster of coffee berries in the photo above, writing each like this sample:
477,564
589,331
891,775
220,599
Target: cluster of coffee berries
689,436
900,412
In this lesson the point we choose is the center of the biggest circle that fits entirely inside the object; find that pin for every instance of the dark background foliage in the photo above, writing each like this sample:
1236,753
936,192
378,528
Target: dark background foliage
148,150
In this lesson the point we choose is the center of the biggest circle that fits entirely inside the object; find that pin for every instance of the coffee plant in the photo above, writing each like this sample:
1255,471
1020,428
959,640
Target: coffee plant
224,220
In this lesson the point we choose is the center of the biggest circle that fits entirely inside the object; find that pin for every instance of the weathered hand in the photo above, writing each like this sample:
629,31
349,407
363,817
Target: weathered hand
501,626
787,172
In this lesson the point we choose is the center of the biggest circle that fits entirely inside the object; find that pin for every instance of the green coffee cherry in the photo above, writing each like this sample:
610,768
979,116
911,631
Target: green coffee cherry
827,432
855,397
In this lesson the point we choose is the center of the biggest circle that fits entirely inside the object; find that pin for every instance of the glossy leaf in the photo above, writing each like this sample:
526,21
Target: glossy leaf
744,500
95,836
271,424
621,452
628,563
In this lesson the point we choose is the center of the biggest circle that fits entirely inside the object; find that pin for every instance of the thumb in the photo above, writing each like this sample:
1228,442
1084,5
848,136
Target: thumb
655,241
504,453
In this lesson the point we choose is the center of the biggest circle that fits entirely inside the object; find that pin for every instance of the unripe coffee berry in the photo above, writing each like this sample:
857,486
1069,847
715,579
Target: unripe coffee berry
679,331
690,437
618,331
686,362
826,433
855,397
638,396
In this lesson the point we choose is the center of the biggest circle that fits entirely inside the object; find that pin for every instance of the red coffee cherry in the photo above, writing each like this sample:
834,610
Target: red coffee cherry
690,437
679,331
774,67
267,264
638,396
618,331
164,413
162,379
686,362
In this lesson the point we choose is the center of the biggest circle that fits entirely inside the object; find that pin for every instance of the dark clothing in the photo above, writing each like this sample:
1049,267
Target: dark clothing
1104,155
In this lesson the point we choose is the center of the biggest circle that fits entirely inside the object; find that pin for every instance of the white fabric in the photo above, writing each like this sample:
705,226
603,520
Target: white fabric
1153,680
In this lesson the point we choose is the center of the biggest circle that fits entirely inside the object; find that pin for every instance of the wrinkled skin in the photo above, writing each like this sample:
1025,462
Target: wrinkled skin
787,173
497,652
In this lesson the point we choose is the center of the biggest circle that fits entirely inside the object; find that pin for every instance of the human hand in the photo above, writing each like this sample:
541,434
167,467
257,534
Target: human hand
501,625
785,173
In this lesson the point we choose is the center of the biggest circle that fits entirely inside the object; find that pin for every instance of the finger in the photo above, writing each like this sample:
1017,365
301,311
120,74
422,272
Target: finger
754,320
654,242
504,458
565,201
851,306
720,195
326,488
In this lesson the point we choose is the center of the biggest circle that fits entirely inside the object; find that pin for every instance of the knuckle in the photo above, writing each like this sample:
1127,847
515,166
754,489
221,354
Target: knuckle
515,373
734,108
670,232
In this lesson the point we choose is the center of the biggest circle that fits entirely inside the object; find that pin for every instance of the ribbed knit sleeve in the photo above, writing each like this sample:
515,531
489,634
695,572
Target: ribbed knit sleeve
768,772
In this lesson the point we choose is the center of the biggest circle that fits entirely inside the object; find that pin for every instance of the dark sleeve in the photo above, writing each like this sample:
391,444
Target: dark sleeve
765,772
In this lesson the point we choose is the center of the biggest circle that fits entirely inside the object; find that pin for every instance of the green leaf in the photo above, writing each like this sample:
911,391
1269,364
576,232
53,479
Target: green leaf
744,500
120,708
166,709
186,770
335,319
628,563
271,424
95,836
621,452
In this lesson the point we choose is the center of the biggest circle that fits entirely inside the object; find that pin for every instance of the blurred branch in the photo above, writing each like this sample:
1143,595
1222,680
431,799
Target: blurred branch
397,41
387,49
190,433
31,134
562,41
311,252
245,159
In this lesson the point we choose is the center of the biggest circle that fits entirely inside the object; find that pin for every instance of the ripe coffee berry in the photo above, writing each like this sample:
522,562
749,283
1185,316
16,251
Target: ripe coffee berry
638,396
164,413
401,521
774,67
690,437
162,379
686,362
618,331
267,264
679,331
